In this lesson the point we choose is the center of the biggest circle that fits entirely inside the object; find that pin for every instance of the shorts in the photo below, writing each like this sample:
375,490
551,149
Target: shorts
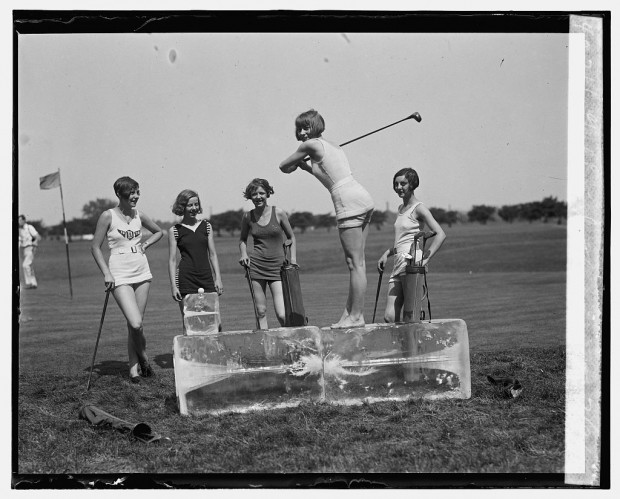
361,220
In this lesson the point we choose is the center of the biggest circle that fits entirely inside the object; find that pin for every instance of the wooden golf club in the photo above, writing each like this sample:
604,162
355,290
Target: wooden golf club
377,297
416,116
249,278
92,364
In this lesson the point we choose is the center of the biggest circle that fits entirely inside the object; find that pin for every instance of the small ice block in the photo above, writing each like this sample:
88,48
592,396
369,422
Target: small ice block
248,370
201,313
397,361
244,370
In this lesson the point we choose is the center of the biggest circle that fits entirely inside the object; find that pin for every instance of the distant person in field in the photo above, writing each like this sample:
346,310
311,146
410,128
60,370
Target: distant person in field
28,241
193,237
352,203
127,274
412,218
268,226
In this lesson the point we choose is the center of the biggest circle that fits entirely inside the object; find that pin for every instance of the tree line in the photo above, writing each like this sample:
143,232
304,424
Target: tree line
230,221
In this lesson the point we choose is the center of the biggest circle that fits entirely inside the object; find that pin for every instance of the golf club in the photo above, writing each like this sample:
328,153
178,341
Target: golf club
247,275
92,364
377,297
416,116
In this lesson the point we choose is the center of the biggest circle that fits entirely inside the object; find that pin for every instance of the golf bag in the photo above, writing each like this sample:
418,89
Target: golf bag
415,286
295,314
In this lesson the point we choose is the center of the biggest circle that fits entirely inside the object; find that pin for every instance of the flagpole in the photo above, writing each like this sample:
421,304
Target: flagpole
64,225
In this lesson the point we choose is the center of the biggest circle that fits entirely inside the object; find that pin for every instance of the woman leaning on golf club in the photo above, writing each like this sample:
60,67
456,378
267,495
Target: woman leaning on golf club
412,218
127,274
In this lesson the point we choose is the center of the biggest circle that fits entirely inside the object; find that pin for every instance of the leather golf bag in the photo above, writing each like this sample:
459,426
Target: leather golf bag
415,289
295,314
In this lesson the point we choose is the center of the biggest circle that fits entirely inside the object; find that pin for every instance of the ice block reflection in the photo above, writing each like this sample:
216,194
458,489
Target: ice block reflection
245,370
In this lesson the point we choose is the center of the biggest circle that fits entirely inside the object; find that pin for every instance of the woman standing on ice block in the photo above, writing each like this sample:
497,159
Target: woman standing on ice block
352,203
412,217
127,274
199,266
267,225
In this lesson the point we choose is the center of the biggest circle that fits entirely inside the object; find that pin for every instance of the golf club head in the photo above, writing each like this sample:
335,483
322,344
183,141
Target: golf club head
416,116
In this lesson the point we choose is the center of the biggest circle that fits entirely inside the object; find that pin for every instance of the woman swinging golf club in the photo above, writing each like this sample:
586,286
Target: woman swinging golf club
127,274
412,218
267,225
352,203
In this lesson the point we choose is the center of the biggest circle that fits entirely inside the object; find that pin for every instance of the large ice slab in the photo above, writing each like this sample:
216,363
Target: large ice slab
201,313
249,370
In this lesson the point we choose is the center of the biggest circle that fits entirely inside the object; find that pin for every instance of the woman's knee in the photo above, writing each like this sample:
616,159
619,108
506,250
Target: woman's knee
135,325
261,311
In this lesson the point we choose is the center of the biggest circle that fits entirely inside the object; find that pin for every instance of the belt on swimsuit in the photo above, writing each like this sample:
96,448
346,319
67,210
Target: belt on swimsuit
122,251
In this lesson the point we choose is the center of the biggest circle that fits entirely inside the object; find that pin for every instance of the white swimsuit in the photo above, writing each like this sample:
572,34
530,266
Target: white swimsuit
127,263
406,227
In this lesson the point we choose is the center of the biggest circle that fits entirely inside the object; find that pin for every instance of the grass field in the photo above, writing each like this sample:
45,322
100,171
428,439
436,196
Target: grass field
506,281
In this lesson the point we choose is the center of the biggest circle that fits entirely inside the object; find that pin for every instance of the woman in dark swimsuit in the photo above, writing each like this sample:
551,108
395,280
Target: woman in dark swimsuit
267,225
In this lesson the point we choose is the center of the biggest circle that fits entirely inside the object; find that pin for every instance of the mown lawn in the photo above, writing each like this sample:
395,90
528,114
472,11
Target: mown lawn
507,282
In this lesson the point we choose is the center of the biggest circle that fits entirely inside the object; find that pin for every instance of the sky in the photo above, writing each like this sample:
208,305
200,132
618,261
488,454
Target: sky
212,111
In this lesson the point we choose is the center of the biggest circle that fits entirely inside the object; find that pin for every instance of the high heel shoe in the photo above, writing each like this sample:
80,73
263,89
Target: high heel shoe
147,370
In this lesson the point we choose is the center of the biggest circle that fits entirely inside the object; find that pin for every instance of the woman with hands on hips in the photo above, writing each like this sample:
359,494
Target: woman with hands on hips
127,274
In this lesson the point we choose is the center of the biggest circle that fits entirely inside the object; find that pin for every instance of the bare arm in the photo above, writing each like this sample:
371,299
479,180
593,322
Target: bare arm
423,213
154,228
288,230
101,230
243,240
297,159
172,265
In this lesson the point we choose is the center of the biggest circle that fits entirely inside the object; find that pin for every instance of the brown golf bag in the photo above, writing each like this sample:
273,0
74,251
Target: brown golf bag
415,288
295,314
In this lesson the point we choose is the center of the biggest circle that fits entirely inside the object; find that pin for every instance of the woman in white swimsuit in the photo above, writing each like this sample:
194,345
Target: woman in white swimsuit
352,203
127,274
412,218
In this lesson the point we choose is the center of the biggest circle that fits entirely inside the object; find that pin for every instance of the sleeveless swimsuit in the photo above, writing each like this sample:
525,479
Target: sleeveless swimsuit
194,270
268,254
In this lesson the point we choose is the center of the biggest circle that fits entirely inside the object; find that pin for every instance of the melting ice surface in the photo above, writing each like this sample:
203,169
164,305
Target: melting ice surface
201,313
246,370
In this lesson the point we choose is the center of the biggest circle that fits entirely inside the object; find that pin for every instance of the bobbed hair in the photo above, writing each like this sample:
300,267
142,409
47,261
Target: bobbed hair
410,174
255,184
180,203
310,119
124,186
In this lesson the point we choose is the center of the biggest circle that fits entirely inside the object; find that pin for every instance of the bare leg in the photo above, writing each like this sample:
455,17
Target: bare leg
132,303
353,242
260,286
182,316
394,304
278,300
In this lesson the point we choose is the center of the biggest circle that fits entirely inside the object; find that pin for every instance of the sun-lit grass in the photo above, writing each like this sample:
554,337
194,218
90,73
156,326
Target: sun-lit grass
507,282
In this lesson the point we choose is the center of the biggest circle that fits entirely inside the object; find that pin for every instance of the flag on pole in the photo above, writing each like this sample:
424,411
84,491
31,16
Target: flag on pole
50,181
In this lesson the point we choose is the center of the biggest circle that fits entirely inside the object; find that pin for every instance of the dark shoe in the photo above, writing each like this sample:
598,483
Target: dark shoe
147,370
134,379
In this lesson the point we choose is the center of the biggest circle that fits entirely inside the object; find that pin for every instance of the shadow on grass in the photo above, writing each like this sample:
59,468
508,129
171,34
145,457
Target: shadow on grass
109,368
164,361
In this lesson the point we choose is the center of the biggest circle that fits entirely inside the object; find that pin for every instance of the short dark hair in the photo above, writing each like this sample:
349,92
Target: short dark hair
310,119
22,217
180,203
124,186
410,174
255,184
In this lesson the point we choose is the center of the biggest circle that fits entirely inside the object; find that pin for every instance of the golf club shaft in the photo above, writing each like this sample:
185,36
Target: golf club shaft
415,116
92,364
249,278
374,313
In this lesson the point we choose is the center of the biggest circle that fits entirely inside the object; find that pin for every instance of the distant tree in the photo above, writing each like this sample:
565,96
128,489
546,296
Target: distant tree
561,211
548,207
451,217
508,213
301,219
325,220
481,213
93,209
531,211
378,218
230,221
439,214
